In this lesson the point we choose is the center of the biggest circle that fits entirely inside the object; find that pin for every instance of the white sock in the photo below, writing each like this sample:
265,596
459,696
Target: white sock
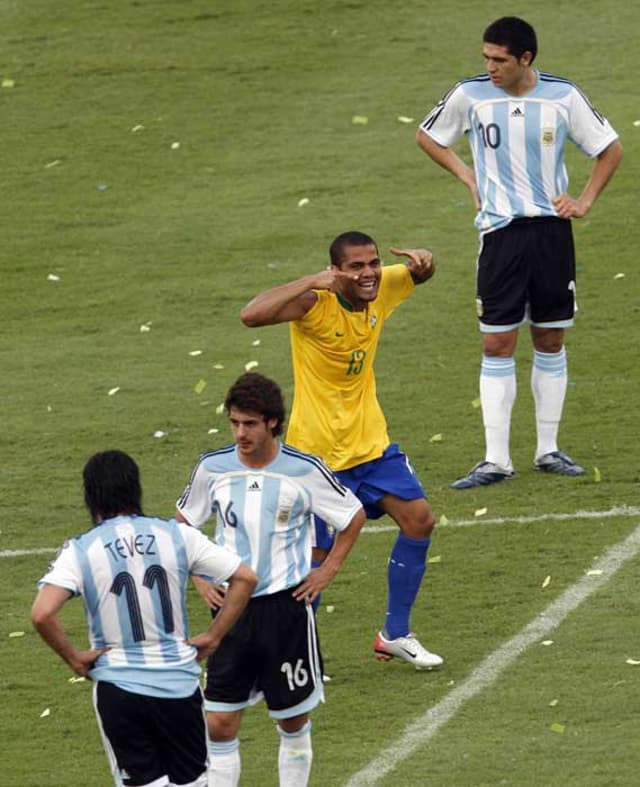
224,763
295,756
549,385
497,395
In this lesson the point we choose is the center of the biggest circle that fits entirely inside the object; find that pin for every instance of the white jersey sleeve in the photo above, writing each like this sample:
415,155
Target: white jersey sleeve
65,571
590,131
195,502
448,121
207,559
330,499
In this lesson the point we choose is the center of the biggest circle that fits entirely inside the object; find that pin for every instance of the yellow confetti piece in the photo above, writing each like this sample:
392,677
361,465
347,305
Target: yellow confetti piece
220,409
547,642
436,438
256,343
136,128
480,511
330,608
200,386
113,391
194,353
619,276
159,434
475,403
547,581
596,475
633,662
435,559
559,728
213,431
636,123
145,327
53,277
594,572
250,365
443,520
175,145
76,679
16,634
404,119
359,120
553,703
46,712
304,201
218,366
8,83
53,163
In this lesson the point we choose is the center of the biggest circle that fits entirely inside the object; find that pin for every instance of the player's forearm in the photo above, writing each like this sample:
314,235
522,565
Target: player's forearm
343,544
241,586
446,158
602,172
51,631
277,304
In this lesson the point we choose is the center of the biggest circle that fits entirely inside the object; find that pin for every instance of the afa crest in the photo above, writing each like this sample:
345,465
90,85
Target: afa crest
548,136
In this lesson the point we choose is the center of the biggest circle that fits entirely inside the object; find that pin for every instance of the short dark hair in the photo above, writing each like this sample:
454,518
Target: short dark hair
514,33
255,393
351,238
112,485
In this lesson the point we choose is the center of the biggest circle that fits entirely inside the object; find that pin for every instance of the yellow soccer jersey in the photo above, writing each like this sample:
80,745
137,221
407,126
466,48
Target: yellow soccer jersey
335,413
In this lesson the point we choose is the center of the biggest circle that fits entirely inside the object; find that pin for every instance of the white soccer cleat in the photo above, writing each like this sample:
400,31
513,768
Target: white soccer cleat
407,648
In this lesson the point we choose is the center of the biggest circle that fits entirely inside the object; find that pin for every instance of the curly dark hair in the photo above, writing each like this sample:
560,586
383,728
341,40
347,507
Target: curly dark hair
112,485
255,393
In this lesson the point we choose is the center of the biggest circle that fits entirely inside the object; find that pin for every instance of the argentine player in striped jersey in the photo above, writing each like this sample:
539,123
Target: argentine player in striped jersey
518,120
132,572
336,318
265,495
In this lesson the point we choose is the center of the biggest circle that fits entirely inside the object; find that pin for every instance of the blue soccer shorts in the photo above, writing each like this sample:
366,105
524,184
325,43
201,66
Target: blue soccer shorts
391,474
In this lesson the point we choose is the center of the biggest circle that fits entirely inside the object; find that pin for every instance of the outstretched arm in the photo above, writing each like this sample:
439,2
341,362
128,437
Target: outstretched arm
318,579
44,616
447,159
603,169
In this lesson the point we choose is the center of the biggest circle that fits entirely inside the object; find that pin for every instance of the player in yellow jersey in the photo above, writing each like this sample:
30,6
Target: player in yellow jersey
336,317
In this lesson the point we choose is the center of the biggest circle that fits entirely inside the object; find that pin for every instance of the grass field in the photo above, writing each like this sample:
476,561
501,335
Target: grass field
154,157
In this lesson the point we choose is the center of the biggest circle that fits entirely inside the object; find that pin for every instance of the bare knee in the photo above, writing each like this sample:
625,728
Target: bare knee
223,726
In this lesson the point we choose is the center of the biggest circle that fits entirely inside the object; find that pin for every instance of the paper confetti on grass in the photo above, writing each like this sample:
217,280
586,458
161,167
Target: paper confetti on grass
330,608
136,128
213,431
53,163
633,662
480,511
359,120
559,728
16,634
594,572
596,475
435,559
218,366
250,365
8,83
194,353
436,438
145,327
46,712
76,679
636,123
159,434
547,642
475,403
443,520
220,409
53,277
200,386
404,119
547,581
175,145
113,391
304,201
256,343
553,703
619,276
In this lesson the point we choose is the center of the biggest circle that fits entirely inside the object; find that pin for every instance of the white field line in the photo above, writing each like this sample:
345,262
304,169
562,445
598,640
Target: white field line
618,511
419,732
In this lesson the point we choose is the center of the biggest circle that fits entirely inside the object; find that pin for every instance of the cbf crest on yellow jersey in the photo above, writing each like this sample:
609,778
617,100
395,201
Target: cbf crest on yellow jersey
336,413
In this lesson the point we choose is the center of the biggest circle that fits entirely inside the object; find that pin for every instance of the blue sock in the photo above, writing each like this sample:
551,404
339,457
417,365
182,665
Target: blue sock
315,604
407,565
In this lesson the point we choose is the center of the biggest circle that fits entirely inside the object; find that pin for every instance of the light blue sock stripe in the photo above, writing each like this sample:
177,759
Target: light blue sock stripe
223,747
551,363
497,367
306,727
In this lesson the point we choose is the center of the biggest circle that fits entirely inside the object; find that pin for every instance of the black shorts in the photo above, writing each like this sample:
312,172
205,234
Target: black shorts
148,738
526,271
272,650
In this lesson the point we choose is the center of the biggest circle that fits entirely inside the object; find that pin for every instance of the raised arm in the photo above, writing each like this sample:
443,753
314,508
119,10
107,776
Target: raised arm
447,159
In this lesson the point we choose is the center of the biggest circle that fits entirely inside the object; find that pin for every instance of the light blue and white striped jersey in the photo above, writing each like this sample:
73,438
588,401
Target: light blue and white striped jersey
265,515
132,573
518,142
